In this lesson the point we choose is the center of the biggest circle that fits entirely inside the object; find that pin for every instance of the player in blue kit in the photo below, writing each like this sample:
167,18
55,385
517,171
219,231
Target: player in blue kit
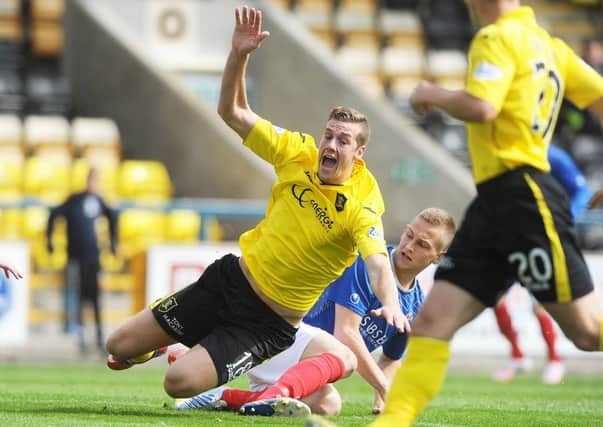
342,322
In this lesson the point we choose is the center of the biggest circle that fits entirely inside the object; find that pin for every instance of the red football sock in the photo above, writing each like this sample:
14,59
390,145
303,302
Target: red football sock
505,324
548,333
237,398
306,377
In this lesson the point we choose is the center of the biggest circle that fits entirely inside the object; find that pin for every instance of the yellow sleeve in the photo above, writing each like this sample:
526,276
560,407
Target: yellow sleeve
274,144
368,234
583,84
491,68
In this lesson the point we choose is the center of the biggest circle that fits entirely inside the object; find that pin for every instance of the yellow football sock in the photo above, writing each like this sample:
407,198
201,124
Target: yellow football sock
601,334
417,382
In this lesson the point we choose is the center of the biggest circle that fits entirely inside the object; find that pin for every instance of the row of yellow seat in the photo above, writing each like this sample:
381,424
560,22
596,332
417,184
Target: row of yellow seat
44,24
137,230
50,182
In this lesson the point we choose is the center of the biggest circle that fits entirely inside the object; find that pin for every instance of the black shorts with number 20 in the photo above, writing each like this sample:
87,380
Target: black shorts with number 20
221,312
518,228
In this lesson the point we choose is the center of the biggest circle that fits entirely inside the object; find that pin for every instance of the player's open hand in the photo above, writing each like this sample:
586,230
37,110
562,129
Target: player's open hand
393,317
248,34
8,270
595,199
418,98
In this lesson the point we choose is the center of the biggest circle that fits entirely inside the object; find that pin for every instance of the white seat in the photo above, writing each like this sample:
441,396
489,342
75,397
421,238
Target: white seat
402,60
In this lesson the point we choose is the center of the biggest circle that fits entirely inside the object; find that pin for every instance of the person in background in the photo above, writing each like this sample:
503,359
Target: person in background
81,210
341,321
567,173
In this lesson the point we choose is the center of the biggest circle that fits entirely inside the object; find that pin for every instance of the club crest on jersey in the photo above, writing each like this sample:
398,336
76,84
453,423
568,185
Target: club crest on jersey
340,201
375,233
167,305
354,298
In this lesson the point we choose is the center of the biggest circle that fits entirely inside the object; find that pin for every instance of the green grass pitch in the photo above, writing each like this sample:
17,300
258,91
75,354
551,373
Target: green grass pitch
95,396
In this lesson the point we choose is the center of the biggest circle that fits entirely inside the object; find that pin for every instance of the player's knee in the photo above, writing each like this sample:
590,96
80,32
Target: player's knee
588,341
326,401
330,405
177,385
115,344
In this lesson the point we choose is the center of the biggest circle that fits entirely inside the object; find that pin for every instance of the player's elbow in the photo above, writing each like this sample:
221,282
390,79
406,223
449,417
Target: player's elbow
484,112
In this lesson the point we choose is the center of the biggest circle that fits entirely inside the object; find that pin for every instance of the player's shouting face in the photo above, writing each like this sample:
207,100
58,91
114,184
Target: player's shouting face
338,151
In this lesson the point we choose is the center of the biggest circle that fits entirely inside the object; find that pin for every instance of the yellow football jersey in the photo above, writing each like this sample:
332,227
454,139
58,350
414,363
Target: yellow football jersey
311,231
524,73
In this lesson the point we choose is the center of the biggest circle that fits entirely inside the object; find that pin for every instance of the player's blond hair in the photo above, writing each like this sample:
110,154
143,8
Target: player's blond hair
440,218
349,115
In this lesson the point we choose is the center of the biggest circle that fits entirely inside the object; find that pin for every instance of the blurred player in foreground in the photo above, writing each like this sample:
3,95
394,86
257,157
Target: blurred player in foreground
574,183
324,208
344,312
519,226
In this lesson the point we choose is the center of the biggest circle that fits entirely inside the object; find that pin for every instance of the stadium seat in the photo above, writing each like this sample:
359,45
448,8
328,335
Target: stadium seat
327,36
11,139
183,225
401,27
315,14
446,65
401,60
11,180
11,27
358,60
10,223
140,228
371,83
97,140
144,181
401,87
46,180
34,223
355,15
285,4
47,37
48,137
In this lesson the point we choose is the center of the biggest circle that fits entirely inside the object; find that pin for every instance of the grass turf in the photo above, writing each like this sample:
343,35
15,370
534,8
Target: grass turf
95,396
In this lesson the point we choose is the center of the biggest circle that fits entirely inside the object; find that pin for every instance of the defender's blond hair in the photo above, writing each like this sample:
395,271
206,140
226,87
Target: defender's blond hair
440,218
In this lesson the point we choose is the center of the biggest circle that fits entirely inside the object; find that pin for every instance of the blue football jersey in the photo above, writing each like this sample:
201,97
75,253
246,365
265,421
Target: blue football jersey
571,179
353,291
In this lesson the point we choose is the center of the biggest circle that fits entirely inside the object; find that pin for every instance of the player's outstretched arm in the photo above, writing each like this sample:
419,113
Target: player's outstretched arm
247,36
8,271
382,281
457,103
346,330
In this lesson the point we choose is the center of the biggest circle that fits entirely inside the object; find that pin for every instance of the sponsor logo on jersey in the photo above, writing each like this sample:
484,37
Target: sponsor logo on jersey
487,71
375,233
354,298
303,195
167,305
